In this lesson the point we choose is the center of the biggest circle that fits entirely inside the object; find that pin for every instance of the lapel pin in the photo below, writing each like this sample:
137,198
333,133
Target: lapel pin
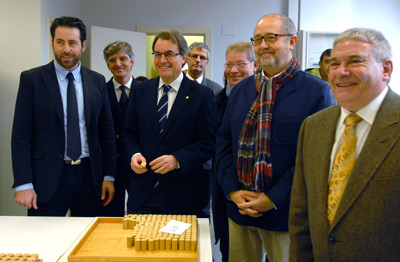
187,97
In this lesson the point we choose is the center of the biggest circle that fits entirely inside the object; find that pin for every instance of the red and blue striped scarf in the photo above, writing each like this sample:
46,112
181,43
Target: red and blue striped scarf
254,154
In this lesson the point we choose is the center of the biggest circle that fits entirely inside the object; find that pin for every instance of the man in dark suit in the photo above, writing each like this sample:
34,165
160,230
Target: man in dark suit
240,63
364,222
170,133
198,58
120,61
63,146
257,140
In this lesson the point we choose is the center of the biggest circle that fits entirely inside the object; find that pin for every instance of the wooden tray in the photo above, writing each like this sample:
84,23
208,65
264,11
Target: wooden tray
105,241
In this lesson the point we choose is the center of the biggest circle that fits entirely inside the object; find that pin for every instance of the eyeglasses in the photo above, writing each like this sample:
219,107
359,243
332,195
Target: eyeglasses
122,59
167,55
268,38
195,56
240,65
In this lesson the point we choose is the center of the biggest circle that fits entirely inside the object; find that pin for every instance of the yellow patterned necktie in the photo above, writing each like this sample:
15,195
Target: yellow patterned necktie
343,165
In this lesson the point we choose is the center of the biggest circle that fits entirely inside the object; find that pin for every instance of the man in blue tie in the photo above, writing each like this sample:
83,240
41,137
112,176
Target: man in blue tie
170,133
63,147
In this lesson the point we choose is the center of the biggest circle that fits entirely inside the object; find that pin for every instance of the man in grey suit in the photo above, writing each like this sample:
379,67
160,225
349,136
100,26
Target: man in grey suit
366,225
197,61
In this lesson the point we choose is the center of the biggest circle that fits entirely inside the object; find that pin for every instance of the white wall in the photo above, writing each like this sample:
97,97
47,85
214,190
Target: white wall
239,14
19,50
24,45
339,15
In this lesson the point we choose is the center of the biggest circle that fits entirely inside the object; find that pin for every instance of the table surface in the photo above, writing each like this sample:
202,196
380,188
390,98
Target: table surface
53,238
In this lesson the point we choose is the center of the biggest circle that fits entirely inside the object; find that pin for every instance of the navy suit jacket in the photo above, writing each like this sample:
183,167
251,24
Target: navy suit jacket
38,136
119,119
189,135
302,96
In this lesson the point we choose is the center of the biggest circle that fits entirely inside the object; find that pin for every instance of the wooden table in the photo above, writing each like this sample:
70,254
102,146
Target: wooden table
53,238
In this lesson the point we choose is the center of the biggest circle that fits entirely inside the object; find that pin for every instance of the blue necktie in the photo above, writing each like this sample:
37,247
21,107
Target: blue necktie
162,108
74,150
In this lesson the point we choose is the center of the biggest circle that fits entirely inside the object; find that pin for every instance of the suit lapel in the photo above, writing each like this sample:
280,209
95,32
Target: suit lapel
88,93
51,83
151,102
384,132
113,101
322,154
181,101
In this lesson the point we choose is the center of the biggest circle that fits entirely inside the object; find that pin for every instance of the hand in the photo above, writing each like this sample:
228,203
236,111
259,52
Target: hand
138,164
240,197
107,187
260,203
164,164
26,198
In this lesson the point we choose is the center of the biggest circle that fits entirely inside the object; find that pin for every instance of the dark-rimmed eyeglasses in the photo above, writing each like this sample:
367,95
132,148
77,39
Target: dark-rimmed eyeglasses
167,55
269,38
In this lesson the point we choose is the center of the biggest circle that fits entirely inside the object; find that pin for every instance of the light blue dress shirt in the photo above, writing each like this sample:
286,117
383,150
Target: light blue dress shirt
61,74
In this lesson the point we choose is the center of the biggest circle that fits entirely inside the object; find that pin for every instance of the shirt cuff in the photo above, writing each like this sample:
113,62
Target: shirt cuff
109,178
24,187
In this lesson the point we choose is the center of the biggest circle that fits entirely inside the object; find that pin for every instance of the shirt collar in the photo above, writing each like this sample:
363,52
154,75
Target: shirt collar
368,112
174,85
62,72
127,84
199,80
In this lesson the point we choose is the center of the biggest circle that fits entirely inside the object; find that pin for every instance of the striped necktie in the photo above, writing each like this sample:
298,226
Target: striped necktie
343,165
162,108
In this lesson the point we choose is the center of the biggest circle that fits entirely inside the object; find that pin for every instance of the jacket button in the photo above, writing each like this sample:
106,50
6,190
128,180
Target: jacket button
117,136
331,240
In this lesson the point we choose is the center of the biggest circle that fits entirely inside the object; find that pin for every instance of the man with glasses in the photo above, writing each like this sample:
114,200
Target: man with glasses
119,58
240,64
256,144
197,61
170,133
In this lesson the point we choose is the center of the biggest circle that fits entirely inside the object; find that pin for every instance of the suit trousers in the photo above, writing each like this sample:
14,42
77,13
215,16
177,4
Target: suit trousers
246,244
75,192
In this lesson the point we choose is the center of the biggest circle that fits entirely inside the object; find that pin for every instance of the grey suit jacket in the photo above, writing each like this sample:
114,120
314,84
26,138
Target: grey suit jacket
367,223
211,84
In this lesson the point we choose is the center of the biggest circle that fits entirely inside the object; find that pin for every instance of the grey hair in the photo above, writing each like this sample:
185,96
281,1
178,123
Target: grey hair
380,45
288,26
199,45
242,46
117,46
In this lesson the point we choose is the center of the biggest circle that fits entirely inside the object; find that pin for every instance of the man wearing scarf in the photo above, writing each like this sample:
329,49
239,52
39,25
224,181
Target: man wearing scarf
256,145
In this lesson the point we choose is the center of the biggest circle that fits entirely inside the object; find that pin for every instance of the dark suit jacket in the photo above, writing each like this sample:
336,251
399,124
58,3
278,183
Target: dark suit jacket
302,96
119,119
38,137
189,136
211,84
117,206
367,222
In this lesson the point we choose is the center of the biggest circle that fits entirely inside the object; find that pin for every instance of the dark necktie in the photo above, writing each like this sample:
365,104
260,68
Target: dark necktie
123,99
74,150
162,108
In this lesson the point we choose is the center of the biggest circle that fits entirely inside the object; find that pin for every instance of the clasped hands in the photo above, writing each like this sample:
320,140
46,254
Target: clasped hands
160,165
251,203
